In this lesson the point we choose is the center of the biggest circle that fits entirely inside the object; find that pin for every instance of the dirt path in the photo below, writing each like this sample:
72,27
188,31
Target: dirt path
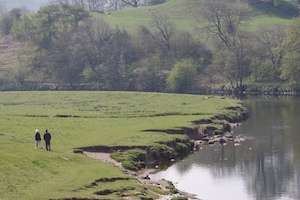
141,175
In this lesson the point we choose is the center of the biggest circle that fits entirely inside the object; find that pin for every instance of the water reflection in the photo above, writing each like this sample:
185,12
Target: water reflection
265,167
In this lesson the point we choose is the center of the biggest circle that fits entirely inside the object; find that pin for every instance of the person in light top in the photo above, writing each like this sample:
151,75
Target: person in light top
38,139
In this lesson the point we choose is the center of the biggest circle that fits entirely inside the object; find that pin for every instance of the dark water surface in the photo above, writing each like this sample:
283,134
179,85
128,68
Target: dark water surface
264,167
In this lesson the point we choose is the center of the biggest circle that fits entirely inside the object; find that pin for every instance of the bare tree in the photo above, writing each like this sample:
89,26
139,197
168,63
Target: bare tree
115,4
164,30
96,5
296,1
223,21
133,3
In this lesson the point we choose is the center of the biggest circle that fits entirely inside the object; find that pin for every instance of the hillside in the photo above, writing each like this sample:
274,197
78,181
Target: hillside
184,13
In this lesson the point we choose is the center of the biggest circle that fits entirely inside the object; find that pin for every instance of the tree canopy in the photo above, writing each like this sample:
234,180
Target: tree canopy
68,47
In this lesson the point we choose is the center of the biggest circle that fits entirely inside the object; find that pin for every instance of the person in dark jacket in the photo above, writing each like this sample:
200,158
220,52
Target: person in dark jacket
38,139
47,138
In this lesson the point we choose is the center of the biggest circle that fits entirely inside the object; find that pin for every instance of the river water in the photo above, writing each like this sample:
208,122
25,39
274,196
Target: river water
264,167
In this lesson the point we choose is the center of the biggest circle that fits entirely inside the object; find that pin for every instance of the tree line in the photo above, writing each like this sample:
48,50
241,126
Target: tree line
68,48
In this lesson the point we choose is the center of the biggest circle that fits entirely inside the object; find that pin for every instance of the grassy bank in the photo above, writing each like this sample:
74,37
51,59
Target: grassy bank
83,119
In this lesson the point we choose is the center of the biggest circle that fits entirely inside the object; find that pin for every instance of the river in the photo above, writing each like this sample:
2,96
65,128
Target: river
264,167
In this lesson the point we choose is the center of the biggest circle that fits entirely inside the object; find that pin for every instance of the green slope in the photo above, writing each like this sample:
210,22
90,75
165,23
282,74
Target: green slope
184,13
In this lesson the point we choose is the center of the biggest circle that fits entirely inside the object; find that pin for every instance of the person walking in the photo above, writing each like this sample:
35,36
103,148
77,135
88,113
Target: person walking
38,139
47,138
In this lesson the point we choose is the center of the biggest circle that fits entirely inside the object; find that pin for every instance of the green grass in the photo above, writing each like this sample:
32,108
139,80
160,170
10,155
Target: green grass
181,13
82,119
184,14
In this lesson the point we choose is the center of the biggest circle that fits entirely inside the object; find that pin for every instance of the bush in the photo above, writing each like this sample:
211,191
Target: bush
129,165
163,151
137,155
182,76
132,159
181,147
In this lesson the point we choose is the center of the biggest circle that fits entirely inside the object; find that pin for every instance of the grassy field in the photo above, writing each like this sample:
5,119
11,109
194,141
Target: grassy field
82,119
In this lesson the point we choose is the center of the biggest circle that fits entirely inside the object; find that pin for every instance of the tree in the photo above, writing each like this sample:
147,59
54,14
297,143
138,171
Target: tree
118,59
234,63
268,56
94,38
182,76
133,3
108,53
96,5
55,53
184,45
223,21
115,4
163,31
53,19
290,69
149,74
8,19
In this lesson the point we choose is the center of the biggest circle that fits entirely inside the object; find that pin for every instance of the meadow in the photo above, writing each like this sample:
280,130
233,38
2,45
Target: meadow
83,119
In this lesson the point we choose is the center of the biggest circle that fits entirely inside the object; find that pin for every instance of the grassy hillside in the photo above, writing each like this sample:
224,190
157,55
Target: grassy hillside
82,119
184,13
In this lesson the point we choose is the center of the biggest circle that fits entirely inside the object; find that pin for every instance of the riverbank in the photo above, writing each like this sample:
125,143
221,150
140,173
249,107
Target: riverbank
203,134
142,177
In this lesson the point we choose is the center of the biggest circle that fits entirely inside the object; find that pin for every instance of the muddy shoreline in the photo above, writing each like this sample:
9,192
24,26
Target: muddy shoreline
141,175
